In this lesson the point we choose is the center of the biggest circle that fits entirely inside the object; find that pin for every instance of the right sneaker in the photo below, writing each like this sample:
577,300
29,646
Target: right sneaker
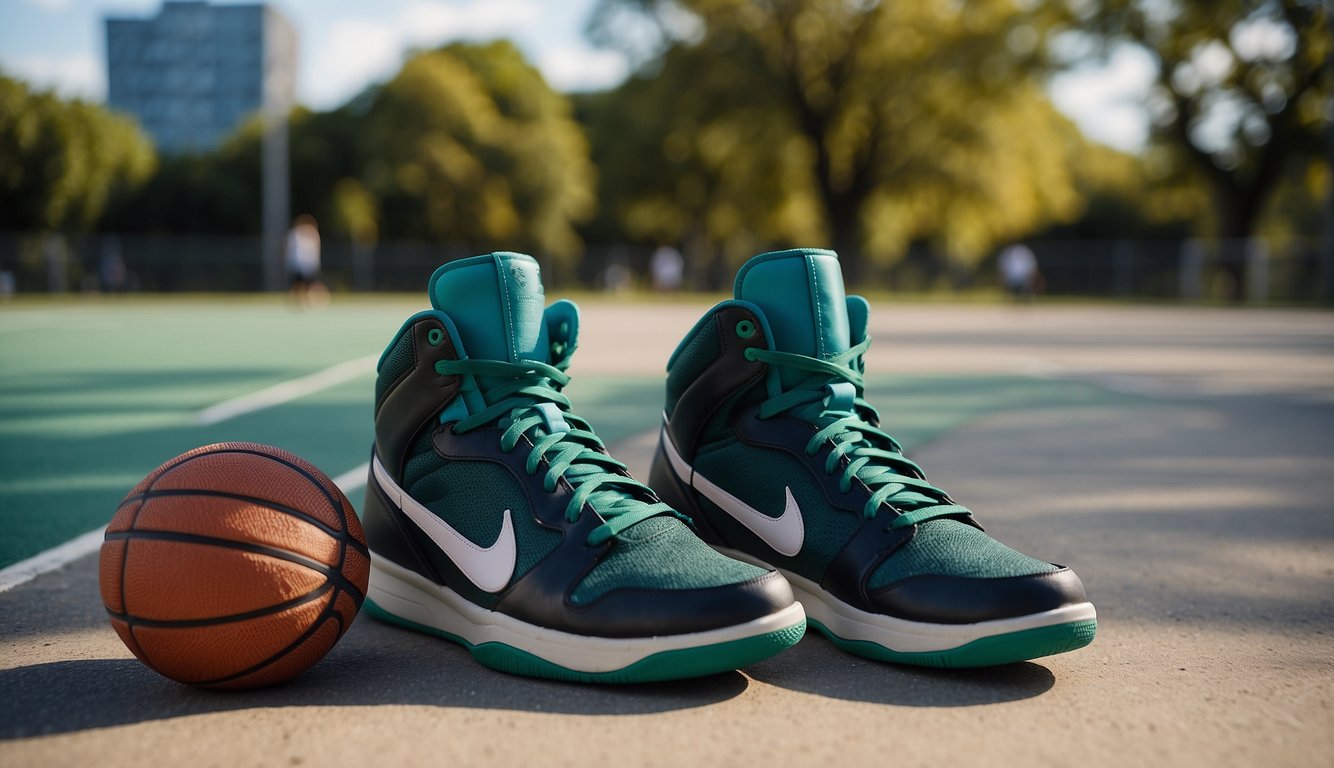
496,518
768,444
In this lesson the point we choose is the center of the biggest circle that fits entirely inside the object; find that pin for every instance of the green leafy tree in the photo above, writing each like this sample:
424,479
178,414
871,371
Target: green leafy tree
63,160
205,192
1239,96
468,144
912,120
689,154
328,153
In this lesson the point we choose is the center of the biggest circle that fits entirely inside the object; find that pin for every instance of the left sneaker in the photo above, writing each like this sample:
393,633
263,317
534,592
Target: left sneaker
496,518
768,445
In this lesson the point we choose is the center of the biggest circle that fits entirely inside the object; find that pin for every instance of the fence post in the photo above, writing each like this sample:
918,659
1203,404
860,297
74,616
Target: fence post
1190,270
56,253
1327,247
1257,270
363,266
1123,268
275,169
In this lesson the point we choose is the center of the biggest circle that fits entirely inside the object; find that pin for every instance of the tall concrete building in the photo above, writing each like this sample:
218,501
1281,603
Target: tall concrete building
194,72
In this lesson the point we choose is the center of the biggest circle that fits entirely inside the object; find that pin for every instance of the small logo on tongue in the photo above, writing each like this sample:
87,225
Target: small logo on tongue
519,275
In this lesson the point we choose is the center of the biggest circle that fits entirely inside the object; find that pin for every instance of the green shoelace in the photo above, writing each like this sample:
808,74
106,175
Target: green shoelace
832,400
529,402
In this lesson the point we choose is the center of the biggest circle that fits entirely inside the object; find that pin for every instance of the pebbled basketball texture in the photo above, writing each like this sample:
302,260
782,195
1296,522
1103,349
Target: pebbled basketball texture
234,565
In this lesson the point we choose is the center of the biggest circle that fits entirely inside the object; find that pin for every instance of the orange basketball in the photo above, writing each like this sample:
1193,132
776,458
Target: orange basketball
233,566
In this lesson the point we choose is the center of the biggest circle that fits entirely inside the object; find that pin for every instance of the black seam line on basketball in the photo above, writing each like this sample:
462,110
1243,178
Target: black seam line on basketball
267,504
315,625
125,553
258,613
342,561
330,574
333,503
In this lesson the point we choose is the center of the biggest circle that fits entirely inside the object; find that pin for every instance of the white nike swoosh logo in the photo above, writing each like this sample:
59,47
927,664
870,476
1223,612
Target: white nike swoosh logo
784,534
490,568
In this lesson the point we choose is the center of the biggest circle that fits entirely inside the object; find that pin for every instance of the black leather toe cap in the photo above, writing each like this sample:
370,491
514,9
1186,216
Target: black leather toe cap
961,600
646,612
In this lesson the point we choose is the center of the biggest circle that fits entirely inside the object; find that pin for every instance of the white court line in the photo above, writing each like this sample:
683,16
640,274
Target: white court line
45,562
287,390
352,479
25,571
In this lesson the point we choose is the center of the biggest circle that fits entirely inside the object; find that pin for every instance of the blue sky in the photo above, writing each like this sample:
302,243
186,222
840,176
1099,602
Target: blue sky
346,44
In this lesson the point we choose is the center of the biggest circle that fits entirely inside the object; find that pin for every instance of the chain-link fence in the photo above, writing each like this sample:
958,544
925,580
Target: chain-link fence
1135,269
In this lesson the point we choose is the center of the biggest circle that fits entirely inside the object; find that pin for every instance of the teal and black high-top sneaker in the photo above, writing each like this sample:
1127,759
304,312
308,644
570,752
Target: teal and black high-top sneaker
770,447
497,520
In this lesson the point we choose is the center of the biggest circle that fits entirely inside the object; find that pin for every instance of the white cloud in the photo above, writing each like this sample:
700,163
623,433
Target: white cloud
1108,102
583,69
430,22
356,53
51,5
72,76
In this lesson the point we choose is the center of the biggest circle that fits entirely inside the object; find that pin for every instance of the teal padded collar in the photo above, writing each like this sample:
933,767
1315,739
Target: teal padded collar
496,302
801,293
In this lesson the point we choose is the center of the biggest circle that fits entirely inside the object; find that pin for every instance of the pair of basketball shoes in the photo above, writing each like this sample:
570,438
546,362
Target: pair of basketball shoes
497,519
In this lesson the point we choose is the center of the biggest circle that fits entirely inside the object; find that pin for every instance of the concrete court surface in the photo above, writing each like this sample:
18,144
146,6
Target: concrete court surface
1197,510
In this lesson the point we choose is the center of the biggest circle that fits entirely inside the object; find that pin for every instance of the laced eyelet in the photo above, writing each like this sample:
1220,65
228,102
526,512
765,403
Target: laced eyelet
435,336
745,329
749,354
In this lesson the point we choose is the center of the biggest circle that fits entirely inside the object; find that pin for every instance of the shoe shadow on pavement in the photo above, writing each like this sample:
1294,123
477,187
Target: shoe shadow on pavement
816,666
374,664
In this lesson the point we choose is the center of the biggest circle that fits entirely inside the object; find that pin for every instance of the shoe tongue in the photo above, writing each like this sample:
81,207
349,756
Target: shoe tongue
496,303
801,293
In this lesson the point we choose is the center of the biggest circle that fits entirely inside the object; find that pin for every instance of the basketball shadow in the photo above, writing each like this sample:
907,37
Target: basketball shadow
817,666
374,664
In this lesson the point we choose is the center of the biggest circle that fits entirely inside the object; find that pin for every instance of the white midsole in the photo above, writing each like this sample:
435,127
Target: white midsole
411,596
902,635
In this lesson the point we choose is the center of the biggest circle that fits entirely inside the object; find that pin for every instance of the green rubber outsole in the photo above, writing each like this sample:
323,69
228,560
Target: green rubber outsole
984,652
665,665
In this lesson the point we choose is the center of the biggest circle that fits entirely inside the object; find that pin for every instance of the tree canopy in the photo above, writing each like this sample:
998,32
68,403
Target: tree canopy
872,127
1239,92
467,144
63,159
887,122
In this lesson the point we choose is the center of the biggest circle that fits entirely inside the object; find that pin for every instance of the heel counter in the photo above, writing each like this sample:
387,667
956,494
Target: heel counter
709,376
666,484
675,492
409,391
698,350
385,534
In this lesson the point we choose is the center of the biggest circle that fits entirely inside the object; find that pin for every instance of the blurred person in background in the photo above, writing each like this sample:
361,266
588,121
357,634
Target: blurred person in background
111,270
303,263
668,267
1018,271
